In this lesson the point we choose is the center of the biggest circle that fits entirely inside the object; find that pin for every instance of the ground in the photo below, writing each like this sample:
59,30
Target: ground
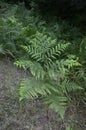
28,115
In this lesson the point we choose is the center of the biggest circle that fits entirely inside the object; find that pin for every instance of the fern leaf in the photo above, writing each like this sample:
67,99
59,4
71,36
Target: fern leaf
31,88
57,102
35,68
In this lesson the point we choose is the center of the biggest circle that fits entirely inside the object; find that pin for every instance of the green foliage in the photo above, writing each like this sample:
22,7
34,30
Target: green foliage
53,51
49,72
10,30
13,31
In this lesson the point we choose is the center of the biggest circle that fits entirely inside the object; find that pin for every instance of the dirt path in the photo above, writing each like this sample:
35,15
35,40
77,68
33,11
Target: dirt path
28,116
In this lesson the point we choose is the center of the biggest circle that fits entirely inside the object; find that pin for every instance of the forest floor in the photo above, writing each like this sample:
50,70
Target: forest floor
28,115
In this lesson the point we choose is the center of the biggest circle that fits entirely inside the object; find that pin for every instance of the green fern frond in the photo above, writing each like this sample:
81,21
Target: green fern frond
22,63
28,31
52,73
71,63
64,65
44,49
68,86
57,103
31,88
43,46
39,46
35,68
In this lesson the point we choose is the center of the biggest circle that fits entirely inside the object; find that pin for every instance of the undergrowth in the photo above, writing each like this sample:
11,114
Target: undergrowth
53,51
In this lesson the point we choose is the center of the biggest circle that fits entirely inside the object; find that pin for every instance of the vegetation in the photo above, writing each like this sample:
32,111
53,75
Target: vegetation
53,50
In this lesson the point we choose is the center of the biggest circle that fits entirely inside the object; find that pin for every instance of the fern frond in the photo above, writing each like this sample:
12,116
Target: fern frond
68,86
57,103
31,88
28,31
39,46
64,65
52,73
23,63
35,68
44,49
71,63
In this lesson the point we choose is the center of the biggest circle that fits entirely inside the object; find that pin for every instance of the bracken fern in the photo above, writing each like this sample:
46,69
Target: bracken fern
49,72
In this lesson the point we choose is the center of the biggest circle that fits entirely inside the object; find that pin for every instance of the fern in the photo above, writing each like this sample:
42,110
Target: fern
57,66
35,68
10,30
49,72
31,89
57,103
43,49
